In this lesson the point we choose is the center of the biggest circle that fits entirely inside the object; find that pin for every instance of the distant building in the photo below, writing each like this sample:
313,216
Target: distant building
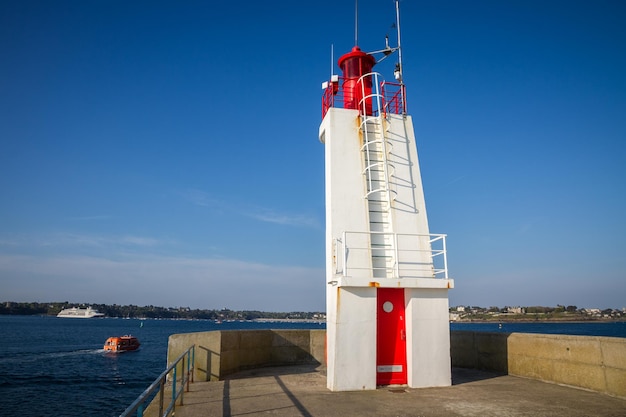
593,312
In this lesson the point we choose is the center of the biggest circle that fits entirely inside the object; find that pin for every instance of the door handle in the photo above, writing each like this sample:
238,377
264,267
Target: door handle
402,335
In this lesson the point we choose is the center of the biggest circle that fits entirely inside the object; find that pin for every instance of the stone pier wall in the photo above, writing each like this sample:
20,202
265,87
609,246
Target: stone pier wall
221,353
590,362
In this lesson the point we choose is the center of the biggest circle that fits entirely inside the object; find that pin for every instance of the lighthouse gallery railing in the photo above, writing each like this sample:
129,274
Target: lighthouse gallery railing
416,256
393,94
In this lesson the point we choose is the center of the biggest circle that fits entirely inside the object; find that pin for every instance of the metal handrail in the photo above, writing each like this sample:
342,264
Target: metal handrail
343,249
392,95
188,359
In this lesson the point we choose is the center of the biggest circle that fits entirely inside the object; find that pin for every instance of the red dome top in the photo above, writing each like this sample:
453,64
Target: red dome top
356,63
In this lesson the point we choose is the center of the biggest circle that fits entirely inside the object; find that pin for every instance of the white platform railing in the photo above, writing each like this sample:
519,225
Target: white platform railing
415,256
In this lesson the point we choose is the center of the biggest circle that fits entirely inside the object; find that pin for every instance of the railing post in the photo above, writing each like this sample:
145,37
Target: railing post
345,254
208,366
188,374
182,380
174,388
396,255
161,395
193,361
385,105
445,258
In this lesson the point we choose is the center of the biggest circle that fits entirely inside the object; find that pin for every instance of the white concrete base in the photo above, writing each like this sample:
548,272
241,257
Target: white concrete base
351,299
351,339
428,338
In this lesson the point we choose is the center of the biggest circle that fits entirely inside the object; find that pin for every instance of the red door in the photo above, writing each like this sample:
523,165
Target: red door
390,337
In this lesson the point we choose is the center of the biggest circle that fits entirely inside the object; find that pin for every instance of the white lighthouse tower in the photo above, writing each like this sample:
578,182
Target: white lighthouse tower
386,275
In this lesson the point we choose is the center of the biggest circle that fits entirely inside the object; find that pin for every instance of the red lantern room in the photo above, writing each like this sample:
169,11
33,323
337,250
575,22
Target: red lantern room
354,65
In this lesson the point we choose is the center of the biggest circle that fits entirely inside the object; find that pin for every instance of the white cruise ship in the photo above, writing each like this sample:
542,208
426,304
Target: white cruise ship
80,313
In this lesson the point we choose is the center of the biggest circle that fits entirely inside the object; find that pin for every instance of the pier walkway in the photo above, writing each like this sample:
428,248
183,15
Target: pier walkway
300,391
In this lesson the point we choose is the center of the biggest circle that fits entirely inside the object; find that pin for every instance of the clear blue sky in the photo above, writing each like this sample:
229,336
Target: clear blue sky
166,152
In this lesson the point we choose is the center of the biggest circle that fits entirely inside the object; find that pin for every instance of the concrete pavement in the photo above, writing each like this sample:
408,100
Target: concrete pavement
300,391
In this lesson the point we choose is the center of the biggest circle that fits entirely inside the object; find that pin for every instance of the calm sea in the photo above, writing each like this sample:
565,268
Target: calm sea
56,367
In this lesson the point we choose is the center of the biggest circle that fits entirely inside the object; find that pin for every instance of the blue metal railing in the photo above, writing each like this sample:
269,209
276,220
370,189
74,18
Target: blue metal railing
186,359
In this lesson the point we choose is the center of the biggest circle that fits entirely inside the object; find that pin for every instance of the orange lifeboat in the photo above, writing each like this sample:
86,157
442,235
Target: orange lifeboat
118,344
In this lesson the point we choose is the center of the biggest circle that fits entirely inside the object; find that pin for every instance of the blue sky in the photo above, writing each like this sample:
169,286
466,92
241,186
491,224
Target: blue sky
166,153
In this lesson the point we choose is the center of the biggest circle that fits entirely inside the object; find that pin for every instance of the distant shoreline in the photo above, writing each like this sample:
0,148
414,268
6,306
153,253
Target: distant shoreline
272,320
540,320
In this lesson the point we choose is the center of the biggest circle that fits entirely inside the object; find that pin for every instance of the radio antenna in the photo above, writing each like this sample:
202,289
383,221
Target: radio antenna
399,47
332,58
356,22
399,68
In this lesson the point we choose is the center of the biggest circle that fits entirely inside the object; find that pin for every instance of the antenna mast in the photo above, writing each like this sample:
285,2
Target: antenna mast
332,59
399,47
400,68
356,22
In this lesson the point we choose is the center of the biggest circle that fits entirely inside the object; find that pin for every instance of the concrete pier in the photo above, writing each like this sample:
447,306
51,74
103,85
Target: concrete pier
588,362
241,373
300,390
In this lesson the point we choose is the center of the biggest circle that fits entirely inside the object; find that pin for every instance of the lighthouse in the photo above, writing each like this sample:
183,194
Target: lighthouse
387,277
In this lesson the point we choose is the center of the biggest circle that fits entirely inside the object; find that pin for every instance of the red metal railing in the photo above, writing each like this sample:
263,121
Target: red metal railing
392,96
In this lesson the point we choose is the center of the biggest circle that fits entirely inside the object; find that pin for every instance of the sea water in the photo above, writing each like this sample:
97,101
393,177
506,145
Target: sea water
56,367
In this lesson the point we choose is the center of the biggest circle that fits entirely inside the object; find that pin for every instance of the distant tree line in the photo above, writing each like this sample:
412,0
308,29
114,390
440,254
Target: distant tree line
151,312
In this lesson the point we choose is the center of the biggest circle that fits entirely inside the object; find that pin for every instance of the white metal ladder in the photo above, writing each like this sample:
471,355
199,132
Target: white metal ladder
377,172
